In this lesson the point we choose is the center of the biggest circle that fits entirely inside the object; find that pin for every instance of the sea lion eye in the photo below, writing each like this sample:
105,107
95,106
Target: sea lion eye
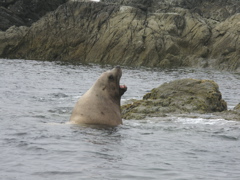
111,77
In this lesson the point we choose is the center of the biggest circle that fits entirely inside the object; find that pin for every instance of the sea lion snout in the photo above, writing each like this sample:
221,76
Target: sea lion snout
117,72
118,68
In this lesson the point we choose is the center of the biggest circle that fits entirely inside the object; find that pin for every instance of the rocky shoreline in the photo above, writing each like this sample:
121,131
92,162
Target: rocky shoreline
154,33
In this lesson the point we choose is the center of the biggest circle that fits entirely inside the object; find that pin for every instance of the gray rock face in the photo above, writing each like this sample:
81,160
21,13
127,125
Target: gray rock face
155,33
24,12
179,97
10,38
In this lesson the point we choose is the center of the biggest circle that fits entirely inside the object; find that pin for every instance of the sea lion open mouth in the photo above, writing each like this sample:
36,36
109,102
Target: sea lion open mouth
122,89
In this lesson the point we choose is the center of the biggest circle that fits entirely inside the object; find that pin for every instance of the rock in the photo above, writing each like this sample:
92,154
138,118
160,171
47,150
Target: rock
237,107
179,97
231,114
10,38
110,33
24,12
154,33
226,34
213,11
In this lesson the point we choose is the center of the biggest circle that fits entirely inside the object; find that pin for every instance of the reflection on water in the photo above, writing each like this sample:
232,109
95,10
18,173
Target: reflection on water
36,99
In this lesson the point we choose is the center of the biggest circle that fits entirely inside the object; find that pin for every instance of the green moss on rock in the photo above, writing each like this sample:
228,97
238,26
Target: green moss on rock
179,96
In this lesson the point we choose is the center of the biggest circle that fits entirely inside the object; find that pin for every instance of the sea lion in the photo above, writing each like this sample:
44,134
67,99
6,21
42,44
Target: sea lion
100,105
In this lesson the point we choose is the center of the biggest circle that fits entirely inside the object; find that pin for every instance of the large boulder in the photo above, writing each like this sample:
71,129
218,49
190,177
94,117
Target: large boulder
179,97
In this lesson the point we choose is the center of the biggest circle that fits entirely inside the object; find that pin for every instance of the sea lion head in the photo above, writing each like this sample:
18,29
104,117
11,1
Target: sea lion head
109,82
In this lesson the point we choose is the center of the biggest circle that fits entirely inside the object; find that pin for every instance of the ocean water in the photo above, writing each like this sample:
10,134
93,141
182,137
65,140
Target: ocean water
36,142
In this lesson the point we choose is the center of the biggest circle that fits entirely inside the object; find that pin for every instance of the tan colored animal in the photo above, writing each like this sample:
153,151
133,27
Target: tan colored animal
100,105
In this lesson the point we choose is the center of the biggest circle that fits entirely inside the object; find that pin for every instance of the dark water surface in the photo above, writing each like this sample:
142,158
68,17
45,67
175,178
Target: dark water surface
36,99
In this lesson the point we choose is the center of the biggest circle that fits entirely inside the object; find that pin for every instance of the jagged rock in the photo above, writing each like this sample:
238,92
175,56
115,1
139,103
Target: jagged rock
225,44
11,38
213,11
24,12
179,97
155,33
110,33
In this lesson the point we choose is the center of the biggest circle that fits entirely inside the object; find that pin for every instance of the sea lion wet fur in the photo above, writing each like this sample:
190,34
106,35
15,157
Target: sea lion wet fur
100,105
